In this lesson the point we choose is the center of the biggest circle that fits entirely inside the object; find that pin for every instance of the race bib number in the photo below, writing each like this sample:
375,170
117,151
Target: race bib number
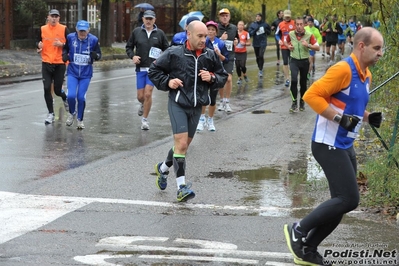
155,52
81,59
229,45
260,31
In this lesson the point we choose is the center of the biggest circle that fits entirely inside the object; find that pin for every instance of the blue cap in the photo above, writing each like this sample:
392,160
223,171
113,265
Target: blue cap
83,25
191,19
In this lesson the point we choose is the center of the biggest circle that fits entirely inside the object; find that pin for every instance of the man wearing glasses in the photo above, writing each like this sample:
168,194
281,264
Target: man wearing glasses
51,40
146,43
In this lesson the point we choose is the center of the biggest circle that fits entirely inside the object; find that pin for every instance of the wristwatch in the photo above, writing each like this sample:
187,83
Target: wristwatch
213,78
309,45
337,118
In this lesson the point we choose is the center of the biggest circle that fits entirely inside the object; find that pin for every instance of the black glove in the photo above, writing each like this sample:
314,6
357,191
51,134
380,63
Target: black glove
65,57
375,119
93,55
349,122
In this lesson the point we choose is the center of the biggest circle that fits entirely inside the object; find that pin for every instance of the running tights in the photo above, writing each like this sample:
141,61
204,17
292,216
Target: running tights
340,168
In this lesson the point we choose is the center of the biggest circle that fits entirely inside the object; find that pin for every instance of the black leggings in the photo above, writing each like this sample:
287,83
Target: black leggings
301,66
53,73
241,60
340,168
259,53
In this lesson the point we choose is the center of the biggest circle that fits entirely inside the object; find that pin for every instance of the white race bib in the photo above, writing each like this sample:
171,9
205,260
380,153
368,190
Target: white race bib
155,52
229,45
81,59
260,31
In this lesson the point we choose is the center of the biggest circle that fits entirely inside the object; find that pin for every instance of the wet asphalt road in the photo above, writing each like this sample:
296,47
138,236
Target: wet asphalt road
88,197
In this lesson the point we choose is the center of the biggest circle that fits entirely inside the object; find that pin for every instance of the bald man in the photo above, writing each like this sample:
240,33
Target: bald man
188,72
339,98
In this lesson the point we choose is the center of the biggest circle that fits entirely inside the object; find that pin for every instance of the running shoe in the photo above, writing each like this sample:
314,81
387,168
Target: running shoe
287,82
49,119
80,125
294,107
246,79
221,106
294,241
301,105
239,81
228,108
70,119
311,258
185,193
145,125
66,105
211,126
201,124
141,110
260,74
162,177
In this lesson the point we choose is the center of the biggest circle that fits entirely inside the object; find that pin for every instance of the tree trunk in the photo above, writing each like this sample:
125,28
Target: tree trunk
105,36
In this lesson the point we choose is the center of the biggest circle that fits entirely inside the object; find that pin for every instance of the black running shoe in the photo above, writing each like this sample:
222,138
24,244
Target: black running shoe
311,258
301,105
294,241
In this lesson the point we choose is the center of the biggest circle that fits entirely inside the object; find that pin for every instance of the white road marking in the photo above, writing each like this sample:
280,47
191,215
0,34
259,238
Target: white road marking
22,213
211,251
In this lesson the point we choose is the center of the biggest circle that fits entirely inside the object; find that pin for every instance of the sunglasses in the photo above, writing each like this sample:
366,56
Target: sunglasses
54,16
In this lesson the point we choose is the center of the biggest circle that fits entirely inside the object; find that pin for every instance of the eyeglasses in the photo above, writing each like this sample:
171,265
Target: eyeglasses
149,18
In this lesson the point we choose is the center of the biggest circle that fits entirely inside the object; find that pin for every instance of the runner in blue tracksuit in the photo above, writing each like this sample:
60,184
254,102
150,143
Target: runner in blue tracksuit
81,49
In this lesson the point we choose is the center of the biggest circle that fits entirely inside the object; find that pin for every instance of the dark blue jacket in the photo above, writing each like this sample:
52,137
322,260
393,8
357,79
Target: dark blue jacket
259,31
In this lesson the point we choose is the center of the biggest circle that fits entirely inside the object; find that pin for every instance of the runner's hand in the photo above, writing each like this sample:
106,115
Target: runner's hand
349,122
375,119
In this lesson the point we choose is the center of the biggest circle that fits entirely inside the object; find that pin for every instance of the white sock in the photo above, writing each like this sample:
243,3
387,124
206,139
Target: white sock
181,180
202,116
164,168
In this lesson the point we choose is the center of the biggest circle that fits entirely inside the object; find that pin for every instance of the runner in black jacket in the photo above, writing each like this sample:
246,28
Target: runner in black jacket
189,72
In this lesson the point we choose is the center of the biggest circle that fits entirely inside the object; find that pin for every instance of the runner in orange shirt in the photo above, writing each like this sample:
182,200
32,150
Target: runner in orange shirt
283,30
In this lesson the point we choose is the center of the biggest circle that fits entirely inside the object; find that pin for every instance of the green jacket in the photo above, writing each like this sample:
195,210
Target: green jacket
300,51
315,31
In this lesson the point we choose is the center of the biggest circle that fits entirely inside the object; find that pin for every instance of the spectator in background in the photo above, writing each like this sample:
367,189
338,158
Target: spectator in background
259,30
51,40
81,50
274,27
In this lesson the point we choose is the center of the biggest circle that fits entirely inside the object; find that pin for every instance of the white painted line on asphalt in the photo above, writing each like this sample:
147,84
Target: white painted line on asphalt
22,213
199,258
162,249
230,252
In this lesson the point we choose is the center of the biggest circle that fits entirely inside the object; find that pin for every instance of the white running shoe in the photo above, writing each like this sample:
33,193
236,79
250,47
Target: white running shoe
80,125
66,105
221,106
141,110
70,119
201,124
211,126
145,125
49,119
228,108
